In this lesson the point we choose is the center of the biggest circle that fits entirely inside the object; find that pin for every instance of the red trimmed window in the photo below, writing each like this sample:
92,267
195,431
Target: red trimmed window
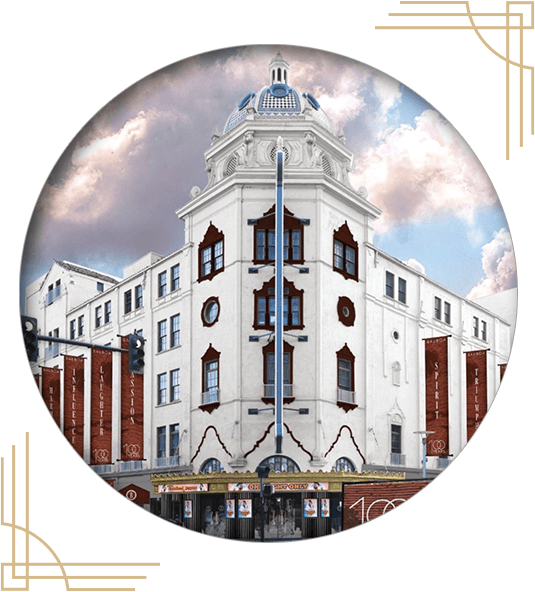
268,353
264,238
211,251
210,380
264,306
345,361
345,253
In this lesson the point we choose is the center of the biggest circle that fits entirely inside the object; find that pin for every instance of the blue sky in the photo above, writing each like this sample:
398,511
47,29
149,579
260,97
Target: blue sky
112,196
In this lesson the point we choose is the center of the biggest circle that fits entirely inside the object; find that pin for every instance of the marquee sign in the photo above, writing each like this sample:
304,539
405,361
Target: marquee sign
476,390
183,488
436,395
73,402
51,392
101,406
280,487
131,410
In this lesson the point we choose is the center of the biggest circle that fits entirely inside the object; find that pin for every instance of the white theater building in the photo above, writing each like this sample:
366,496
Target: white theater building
355,319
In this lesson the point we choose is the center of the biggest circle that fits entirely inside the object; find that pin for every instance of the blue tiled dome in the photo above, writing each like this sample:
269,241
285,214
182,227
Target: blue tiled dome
278,100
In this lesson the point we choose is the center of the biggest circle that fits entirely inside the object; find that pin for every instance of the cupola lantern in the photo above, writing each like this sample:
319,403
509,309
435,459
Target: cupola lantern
278,70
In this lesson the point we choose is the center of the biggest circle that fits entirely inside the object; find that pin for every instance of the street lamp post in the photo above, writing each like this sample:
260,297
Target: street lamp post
424,452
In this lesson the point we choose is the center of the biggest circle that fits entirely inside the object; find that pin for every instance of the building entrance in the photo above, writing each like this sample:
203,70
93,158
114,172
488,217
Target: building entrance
282,517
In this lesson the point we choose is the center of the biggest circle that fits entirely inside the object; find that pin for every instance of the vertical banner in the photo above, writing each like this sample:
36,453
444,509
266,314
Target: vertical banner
51,391
73,402
502,370
476,390
101,406
131,410
436,395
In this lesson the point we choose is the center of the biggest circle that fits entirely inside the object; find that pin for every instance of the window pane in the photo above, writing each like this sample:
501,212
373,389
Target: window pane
218,255
261,311
296,245
206,259
402,290
396,439
296,311
175,385
261,244
271,239
211,375
344,374
338,255
350,259
390,284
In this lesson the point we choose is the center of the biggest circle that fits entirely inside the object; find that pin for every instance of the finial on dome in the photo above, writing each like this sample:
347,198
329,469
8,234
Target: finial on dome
278,70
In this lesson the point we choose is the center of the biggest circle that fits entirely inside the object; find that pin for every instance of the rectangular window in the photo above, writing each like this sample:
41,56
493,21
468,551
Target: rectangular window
484,330
139,296
174,440
395,439
476,327
270,374
438,309
175,385
161,442
344,374
98,316
162,284
447,313
389,284
73,329
100,287
175,278
162,335
175,330
80,325
291,245
128,301
211,381
162,389
107,312
402,290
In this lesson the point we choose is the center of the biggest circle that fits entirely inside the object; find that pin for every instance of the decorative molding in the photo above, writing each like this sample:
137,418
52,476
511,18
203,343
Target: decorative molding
258,442
352,440
204,438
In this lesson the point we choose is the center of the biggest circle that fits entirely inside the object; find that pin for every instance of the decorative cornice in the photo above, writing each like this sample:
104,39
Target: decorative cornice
204,438
352,440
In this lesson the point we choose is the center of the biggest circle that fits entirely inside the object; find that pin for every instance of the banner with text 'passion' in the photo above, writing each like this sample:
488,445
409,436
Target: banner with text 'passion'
51,391
436,395
73,402
101,406
131,410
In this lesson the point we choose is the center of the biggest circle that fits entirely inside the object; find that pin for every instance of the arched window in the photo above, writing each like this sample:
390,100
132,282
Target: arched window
281,464
212,465
343,465
264,238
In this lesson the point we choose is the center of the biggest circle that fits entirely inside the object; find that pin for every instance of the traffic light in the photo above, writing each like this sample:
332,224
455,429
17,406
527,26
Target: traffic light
263,471
136,353
29,331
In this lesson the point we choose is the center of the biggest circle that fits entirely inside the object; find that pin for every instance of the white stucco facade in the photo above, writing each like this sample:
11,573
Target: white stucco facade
383,344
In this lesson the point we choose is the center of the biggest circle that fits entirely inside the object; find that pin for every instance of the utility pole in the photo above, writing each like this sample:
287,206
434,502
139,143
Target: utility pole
279,302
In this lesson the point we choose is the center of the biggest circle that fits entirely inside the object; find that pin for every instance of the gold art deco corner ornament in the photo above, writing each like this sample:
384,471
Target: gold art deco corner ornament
504,25
22,560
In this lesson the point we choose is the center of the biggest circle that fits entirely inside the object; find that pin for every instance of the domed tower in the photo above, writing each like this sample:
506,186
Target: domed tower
230,227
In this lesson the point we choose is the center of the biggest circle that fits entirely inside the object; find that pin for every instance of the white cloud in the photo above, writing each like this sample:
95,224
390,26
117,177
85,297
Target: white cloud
499,266
423,173
415,265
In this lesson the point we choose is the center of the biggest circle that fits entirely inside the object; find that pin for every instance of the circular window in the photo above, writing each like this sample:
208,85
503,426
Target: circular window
210,311
346,311
395,335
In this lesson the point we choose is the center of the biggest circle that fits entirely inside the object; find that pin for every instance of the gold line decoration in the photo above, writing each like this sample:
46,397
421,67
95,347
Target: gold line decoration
29,567
507,27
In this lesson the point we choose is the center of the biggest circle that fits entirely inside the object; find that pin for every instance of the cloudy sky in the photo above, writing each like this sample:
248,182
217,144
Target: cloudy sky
113,193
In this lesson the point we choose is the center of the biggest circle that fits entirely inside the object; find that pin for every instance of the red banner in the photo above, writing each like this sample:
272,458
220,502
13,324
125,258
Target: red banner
51,392
476,390
436,395
131,410
101,406
73,402
502,370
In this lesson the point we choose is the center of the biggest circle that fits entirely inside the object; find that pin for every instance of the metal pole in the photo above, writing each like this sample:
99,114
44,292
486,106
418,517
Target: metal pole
279,302
80,343
261,509
424,441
